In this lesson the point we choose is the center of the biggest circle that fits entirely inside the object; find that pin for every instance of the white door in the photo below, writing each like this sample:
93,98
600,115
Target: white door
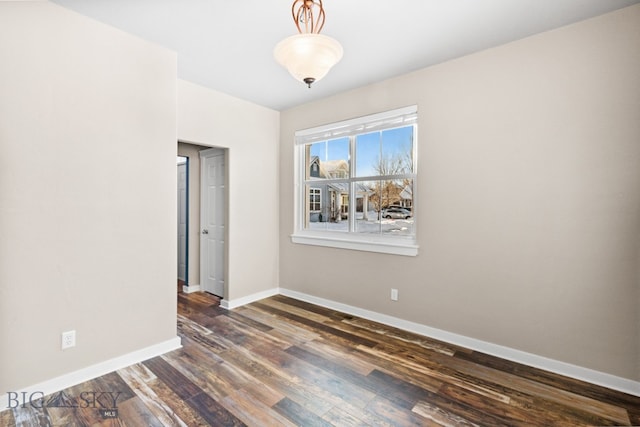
182,221
212,221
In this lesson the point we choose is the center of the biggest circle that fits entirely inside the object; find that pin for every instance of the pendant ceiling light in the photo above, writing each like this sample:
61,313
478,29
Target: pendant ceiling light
308,55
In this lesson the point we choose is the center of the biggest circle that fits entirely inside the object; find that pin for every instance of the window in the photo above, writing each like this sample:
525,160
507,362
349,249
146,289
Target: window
314,199
355,183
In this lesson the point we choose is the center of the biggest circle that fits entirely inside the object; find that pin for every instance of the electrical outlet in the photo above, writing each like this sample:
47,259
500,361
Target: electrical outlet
394,294
68,339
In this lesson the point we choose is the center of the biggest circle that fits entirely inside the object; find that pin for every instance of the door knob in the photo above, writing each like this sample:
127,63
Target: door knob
205,231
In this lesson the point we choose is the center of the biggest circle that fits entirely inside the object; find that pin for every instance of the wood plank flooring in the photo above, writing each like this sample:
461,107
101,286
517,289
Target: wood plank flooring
284,362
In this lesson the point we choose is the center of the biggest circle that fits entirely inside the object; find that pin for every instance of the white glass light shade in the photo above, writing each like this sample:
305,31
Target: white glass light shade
308,56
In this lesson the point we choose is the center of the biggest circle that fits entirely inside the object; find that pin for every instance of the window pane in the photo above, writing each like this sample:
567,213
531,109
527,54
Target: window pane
397,151
328,159
328,207
385,207
367,154
397,215
367,207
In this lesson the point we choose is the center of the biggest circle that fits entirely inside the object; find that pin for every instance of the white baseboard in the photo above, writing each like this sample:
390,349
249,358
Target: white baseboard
585,374
231,304
189,289
73,378
562,368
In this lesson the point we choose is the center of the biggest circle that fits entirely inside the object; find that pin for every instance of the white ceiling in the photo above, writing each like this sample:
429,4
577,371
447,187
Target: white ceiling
227,45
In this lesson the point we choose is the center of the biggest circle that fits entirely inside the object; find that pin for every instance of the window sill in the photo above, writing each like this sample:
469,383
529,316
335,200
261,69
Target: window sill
388,246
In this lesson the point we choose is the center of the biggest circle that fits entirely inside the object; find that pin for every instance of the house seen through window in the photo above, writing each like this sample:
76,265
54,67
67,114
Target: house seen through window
356,183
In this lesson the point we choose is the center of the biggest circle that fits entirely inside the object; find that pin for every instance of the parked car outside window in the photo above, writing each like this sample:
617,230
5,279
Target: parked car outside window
396,213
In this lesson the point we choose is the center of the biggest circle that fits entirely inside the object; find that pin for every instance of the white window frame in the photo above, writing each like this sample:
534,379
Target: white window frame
405,245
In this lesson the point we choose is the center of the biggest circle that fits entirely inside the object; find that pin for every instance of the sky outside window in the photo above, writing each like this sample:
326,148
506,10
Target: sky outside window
334,149
393,144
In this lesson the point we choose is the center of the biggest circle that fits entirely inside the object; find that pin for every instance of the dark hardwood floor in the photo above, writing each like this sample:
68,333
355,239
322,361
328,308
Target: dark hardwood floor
280,361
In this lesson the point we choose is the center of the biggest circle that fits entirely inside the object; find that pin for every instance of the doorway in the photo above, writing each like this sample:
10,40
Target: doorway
183,221
201,267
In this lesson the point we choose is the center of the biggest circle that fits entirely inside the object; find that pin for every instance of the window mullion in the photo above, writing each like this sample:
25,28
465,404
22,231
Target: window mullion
352,186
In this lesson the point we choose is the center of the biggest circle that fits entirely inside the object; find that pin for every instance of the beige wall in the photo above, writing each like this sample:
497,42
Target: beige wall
251,134
88,190
528,198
